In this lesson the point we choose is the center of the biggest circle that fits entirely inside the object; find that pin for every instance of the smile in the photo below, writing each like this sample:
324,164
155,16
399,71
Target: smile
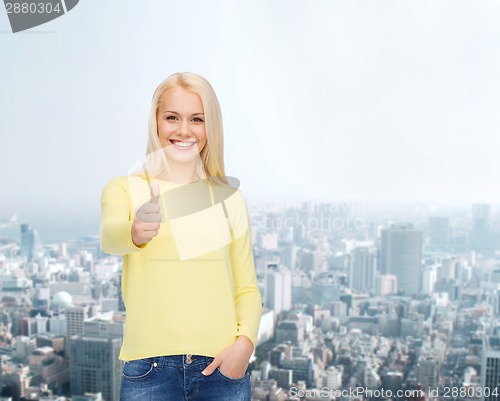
182,145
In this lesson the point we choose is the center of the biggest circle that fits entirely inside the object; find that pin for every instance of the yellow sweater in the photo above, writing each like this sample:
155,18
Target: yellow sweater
193,288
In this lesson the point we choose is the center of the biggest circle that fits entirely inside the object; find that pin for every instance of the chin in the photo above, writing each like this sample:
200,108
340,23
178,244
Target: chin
181,158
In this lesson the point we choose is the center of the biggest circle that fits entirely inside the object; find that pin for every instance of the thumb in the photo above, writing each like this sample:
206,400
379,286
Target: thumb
210,368
155,193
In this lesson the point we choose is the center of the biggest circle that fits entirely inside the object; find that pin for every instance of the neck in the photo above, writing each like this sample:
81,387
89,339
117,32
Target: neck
180,174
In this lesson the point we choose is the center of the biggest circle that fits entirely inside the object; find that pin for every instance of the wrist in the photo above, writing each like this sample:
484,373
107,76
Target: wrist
246,344
134,238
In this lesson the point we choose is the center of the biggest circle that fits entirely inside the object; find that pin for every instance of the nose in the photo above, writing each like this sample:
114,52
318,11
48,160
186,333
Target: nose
184,129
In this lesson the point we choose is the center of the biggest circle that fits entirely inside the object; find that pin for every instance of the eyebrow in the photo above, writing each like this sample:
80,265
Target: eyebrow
174,112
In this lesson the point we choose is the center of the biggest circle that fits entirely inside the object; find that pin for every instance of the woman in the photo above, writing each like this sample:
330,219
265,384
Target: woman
189,285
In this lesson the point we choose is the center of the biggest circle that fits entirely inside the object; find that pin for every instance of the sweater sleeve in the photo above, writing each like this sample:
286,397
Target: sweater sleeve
116,220
248,299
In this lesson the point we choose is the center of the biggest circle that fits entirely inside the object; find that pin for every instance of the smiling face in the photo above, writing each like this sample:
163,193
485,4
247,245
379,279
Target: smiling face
181,125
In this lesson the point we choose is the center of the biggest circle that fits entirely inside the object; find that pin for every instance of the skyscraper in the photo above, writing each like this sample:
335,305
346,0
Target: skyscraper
94,363
490,367
427,371
480,227
439,231
75,315
401,255
27,241
325,290
362,267
94,366
278,288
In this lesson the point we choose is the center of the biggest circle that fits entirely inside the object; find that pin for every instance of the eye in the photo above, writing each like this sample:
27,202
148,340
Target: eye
197,120
171,118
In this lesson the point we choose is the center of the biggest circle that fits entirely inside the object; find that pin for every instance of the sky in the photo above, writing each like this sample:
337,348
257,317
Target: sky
369,100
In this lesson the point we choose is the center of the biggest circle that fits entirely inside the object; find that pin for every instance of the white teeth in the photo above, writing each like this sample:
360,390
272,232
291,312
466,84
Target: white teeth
184,144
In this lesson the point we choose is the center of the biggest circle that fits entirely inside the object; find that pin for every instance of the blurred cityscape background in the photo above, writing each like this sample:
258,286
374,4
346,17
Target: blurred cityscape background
391,104
354,296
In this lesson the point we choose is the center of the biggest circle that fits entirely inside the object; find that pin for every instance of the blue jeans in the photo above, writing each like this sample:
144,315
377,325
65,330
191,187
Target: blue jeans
179,378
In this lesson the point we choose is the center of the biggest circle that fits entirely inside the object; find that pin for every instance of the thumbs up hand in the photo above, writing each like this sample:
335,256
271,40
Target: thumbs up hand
147,219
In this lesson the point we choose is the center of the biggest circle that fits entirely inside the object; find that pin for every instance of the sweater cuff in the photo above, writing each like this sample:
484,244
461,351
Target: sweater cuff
243,330
116,238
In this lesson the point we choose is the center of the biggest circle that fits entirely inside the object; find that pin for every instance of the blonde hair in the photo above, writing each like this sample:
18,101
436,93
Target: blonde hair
210,164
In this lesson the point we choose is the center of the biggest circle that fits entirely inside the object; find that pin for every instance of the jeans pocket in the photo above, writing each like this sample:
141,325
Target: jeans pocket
232,379
138,369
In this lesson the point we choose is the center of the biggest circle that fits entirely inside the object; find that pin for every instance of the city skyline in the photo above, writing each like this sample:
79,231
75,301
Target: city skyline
73,227
384,307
